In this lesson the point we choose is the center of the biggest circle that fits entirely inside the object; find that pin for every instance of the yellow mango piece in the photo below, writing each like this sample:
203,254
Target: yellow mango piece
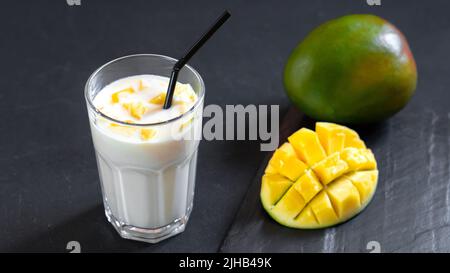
136,109
270,169
184,125
307,145
160,99
328,132
141,85
345,197
285,161
307,219
308,186
292,168
359,159
115,97
273,187
323,210
330,168
285,151
276,161
365,182
289,206
331,138
147,133
354,142
352,138
122,130
336,143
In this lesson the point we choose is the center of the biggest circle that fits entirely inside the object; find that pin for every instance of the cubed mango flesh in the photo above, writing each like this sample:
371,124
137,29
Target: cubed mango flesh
330,168
308,186
123,130
307,218
136,109
274,187
141,85
319,179
365,182
331,138
359,159
323,209
270,169
115,97
307,145
344,196
159,99
290,205
147,133
286,163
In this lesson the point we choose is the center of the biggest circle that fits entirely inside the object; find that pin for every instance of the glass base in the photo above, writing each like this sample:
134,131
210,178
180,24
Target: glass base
149,235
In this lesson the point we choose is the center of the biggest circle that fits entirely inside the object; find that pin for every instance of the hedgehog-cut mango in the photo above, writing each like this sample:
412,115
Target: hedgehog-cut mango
319,178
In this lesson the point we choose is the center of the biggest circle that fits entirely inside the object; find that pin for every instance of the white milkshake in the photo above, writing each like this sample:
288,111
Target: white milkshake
147,160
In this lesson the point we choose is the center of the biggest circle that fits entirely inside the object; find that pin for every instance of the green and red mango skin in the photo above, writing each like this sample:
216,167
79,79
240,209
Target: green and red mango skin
354,69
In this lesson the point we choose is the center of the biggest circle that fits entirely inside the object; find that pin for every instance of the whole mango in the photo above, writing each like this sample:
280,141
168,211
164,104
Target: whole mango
354,69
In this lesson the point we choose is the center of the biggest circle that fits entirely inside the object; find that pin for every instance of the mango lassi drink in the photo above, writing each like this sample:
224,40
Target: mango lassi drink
146,155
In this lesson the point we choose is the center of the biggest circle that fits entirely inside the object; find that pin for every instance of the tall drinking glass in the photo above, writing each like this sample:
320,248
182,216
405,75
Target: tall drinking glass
147,186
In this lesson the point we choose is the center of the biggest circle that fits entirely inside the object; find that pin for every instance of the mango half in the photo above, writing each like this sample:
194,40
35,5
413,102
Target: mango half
319,178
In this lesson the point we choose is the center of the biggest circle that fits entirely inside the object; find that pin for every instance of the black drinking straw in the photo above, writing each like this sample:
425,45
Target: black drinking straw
182,61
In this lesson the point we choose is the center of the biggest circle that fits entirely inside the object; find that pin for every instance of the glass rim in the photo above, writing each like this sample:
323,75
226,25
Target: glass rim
98,70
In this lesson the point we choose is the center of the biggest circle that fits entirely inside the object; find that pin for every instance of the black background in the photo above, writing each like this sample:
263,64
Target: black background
49,188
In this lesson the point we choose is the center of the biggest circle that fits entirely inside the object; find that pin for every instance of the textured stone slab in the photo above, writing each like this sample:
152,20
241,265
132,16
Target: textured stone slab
411,208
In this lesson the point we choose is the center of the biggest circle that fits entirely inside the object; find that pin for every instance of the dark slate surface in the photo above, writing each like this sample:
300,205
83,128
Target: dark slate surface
410,211
49,189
